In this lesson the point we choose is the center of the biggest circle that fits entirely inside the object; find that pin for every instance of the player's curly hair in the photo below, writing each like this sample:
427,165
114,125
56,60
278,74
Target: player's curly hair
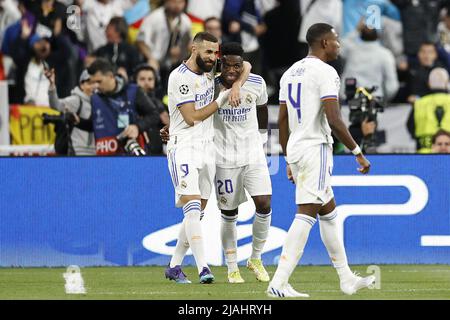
231,48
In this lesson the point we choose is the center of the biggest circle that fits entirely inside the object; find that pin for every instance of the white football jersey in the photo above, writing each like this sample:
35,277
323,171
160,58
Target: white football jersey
237,138
303,87
187,86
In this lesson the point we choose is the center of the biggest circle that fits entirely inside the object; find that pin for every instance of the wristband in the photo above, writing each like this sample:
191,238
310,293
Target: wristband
356,151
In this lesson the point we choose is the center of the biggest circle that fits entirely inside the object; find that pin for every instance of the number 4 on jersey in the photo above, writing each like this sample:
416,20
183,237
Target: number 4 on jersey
296,102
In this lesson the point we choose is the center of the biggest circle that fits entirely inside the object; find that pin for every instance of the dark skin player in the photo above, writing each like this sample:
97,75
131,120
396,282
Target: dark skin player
232,67
325,49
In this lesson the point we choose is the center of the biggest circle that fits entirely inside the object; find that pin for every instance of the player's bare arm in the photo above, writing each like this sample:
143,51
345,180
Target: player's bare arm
235,94
192,116
283,127
262,113
263,117
333,113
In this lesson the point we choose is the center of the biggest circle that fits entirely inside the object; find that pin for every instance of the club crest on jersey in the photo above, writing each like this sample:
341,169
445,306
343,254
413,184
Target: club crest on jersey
184,89
248,99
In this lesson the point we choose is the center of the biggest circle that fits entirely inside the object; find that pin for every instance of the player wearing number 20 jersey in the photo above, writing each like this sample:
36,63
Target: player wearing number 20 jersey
241,163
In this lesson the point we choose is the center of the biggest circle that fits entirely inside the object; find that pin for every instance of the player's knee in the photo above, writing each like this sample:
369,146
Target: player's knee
186,198
230,213
262,204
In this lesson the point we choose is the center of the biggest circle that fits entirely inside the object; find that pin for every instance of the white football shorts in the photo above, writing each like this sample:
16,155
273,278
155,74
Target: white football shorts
192,168
231,184
312,175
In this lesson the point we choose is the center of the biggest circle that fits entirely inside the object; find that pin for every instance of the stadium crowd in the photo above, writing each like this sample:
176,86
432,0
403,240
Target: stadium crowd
402,47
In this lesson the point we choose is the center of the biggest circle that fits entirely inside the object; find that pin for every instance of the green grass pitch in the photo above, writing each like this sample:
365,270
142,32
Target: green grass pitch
397,282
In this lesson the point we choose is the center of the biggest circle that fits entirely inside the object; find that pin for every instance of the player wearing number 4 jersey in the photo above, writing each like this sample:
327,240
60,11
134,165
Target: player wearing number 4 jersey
309,111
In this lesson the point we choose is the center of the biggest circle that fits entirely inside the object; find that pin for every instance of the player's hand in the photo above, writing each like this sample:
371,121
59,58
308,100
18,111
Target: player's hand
164,133
223,97
235,95
132,131
290,176
364,164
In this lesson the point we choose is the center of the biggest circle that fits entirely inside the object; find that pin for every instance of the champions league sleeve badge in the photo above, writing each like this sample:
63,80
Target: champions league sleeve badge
184,89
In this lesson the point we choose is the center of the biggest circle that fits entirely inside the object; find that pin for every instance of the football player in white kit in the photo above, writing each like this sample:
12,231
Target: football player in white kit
190,151
241,161
309,111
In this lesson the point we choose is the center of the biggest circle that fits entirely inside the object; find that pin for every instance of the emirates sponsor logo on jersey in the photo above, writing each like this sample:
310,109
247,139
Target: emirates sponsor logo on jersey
204,96
234,114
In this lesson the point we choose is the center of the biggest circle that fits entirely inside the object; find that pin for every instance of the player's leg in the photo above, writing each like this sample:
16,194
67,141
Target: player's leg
206,177
331,237
175,157
229,188
308,177
257,183
186,176
182,245
228,233
292,251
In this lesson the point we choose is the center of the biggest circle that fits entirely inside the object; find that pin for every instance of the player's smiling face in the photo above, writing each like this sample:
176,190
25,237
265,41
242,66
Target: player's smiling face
232,67
207,53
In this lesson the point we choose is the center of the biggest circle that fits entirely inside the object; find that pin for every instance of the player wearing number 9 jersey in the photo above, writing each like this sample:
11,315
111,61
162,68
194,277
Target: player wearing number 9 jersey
191,150
191,104
309,112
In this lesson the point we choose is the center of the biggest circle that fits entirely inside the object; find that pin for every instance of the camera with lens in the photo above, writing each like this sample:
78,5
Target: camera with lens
131,146
363,106
64,123
66,118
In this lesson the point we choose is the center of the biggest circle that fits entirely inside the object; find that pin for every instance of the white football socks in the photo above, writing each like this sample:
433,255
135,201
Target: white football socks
228,234
192,211
261,226
334,244
181,247
293,248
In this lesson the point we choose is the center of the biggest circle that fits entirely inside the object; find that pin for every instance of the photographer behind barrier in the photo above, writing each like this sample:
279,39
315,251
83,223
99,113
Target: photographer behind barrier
364,108
121,112
74,107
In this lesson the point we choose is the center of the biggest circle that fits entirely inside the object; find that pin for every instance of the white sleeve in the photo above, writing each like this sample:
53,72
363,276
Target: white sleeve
329,85
283,90
183,89
262,98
